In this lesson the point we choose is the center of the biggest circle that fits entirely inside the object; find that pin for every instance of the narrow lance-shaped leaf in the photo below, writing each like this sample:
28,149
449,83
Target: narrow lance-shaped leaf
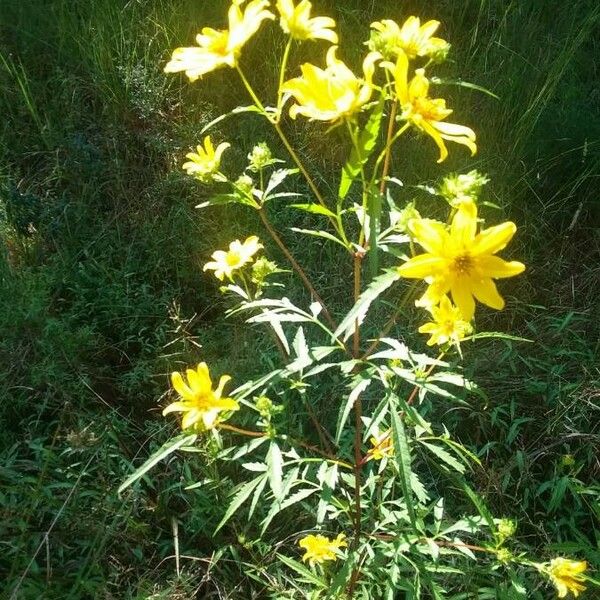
366,144
374,212
169,447
239,498
236,111
403,462
371,293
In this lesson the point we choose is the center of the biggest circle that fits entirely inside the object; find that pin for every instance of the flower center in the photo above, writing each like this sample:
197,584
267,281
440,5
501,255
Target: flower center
463,264
233,259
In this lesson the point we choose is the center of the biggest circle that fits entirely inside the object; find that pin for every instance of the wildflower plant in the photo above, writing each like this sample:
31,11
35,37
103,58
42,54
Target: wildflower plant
370,523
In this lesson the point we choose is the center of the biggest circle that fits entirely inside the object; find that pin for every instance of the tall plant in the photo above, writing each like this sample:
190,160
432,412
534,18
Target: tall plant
376,527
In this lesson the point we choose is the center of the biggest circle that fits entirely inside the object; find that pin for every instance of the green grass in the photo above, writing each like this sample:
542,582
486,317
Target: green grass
102,293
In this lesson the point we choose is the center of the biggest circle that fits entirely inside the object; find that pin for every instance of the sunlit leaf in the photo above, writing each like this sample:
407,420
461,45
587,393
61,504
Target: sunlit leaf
184,439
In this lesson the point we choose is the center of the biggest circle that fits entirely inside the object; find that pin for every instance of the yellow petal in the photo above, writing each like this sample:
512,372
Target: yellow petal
222,382
176,407
191,418
224,404
181,387
204,376
421,266
463,299
486,292
494,239
209,418
430,234
495,267
437,138
464,224
401,77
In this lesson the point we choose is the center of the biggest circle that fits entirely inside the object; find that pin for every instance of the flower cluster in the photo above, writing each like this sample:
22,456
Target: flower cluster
461,261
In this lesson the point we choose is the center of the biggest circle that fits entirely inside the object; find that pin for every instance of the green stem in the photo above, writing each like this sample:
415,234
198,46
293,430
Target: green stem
299,270
282,68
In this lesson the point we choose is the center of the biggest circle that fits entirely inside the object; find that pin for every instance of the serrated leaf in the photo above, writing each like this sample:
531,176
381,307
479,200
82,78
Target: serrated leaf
220,199
357,390
298,497
328,483
165,450
318,233
461,547
315,209
307,575
374,210
236,111
403,462
275,472
444,456
360,309
466,84
239,498
366,144
277,178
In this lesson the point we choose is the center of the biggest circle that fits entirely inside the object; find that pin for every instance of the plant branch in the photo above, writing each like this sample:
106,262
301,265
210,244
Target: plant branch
309,286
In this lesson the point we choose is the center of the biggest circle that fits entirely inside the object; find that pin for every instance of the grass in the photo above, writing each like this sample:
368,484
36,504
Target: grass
102,293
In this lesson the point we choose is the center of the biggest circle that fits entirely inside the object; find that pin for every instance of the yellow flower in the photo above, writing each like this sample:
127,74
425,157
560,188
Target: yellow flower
296,22
425,113
320,548
200,404
412,38
566,575
332,93
220,47
447,325
224,263
383,446
205,162
461,261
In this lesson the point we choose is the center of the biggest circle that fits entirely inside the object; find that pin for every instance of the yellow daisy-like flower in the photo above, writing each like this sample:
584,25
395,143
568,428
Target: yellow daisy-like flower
383,446
412,38
200,403
461,261
566,575
296,22
224,263
205,162
220,47
332,93
319,548
425,113
448,324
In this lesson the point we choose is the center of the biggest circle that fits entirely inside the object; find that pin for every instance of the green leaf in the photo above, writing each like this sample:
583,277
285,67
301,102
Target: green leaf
242,494
366,144
236,111
275,472
276,179
479,504
371,293
307,575
231,198
361,385
169,447
319,233
403,462
374,212
315,209
445,457
465,84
